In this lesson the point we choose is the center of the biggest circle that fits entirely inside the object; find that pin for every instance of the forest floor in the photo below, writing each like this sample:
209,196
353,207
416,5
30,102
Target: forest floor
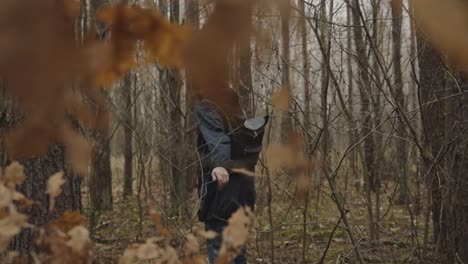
129,222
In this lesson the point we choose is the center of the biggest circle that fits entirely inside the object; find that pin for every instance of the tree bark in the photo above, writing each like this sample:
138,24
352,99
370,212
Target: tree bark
37,171
305,69
350,75
128,134
305,60
100,181
401,150
367,124
192,15
285,12
325,29
432,89
174,86
377,111
245,71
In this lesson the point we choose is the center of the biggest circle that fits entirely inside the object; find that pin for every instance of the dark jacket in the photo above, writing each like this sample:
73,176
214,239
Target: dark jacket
214,149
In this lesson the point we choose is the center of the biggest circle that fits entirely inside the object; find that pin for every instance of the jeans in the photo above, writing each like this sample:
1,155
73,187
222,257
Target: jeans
214,245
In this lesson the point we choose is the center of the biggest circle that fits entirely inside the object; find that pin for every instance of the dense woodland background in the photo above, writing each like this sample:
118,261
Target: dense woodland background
365,158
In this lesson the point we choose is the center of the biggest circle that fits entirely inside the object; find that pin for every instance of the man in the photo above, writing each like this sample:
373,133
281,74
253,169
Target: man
218,114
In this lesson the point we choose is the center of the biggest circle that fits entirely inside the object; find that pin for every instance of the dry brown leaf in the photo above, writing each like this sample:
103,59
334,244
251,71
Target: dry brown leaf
129,255
169,256
163,40
147,251
235,234
65,240
302,186
79,238
207,234
52,66
191,246
6,196
444,24
11,225
289,155
246,172
159,227
73,8
18,196
77,152
67,221
193,260
54,188
397,6
281,99
14,175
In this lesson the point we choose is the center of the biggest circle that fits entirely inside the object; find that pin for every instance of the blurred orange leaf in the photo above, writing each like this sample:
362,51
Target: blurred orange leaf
281,98
444,24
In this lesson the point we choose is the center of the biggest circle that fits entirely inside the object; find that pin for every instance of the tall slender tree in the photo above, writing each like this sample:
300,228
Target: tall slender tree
364,85
397,8
285,13
245,70
38,168
100,181
127,88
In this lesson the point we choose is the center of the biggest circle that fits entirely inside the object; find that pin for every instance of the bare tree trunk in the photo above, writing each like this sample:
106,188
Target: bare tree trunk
378,110
432,83
305,60
174,86
350,75
100,181
128,134
193,17
367,124
37,171
285,12
398,86
245,72
325,27
305,66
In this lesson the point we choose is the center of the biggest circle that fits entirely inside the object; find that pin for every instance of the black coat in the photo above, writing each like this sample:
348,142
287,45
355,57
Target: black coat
214,150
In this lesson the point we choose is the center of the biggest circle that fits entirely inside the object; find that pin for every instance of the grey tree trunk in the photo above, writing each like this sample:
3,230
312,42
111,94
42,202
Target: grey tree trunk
245,71
100,181
128,134
366,115
174,86
37,171
305,67
379,158
350,78
432,89
285,12
401,149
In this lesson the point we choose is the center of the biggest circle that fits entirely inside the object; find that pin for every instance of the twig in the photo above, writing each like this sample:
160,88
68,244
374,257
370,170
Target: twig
322,259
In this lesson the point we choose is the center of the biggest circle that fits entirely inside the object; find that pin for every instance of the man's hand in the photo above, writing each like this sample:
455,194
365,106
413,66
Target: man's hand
221,175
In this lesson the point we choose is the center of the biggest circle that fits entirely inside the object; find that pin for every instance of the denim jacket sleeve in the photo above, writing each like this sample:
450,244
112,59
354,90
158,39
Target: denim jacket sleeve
214,133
